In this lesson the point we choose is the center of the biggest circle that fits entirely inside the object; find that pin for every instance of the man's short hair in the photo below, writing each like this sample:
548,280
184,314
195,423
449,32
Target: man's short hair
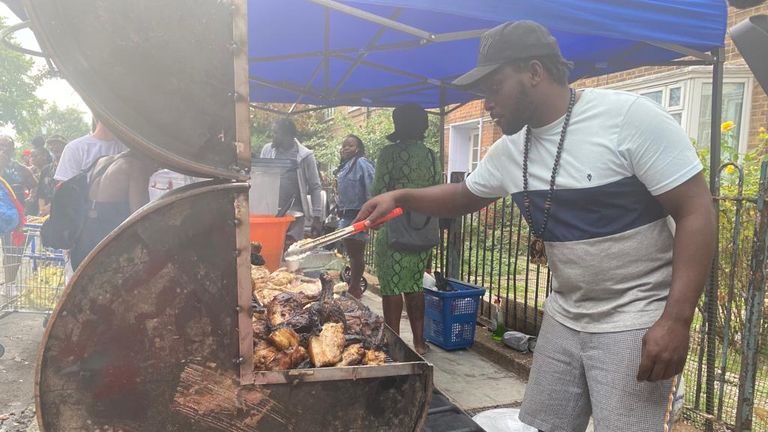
286,125
558,68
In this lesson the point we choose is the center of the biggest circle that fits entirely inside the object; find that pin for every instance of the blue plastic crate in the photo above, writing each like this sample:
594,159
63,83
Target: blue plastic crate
450,317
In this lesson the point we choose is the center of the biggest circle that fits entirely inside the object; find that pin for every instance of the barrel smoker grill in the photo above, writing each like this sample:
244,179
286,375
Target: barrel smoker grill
154,331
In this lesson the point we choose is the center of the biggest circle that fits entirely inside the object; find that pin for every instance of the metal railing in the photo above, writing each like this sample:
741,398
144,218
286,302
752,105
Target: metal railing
726,376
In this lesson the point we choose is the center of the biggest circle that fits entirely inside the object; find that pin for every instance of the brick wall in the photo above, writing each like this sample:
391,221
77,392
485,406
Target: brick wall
758,108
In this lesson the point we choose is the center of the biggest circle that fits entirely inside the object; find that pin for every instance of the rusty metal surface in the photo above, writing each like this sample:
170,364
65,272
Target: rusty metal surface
395,403
145,339
158,73
243,149
406,362
158,294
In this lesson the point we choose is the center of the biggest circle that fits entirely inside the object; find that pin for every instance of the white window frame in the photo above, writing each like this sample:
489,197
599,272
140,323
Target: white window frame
453,132
475,152
746,108
692,80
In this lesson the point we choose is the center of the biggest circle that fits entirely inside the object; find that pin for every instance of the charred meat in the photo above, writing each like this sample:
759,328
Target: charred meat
299,323
284,306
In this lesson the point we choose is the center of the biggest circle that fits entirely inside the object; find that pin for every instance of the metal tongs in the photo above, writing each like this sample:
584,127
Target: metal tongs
302,247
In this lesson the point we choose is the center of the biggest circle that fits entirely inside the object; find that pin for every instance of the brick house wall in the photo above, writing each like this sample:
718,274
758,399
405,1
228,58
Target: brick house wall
757,108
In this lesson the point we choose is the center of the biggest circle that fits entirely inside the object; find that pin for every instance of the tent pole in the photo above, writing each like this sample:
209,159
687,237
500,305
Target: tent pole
442,126
717,110
359,13
453,250
687,51
710,294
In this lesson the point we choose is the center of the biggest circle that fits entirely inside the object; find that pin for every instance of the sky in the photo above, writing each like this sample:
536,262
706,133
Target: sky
55,90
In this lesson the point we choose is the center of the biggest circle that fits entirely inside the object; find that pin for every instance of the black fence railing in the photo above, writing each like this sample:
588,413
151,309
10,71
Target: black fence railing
491,248
726,375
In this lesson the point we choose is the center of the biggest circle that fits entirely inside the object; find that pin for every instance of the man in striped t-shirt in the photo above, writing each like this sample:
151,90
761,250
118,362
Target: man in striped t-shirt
597,174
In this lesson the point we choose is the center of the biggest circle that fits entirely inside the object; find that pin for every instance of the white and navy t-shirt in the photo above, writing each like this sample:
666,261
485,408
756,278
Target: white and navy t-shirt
609,245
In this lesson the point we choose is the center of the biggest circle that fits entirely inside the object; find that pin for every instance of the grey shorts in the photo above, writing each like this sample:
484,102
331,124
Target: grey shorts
577,374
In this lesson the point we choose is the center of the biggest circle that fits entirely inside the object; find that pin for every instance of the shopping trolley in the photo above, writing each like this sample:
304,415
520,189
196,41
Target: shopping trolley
33,276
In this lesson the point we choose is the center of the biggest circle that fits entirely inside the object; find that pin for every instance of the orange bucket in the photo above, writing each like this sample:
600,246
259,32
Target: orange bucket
270,232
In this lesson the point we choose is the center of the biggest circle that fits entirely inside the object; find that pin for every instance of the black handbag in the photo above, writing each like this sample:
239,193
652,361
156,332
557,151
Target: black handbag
414,232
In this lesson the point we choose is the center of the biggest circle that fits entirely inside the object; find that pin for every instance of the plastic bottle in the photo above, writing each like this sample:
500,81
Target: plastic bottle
501,328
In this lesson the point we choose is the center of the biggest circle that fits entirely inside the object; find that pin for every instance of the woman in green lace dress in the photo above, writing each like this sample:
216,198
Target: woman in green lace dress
406,163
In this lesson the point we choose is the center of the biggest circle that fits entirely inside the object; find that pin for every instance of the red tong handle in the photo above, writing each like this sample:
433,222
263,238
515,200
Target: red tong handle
363,225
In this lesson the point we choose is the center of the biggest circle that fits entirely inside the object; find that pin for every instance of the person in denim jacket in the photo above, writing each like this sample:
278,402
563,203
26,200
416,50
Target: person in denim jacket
354,179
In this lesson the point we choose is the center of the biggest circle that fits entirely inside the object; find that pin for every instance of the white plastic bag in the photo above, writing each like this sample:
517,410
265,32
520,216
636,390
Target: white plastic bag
502,420
429,282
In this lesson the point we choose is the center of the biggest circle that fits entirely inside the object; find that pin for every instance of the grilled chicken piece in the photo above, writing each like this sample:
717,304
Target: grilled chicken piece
259,275
263,355
288,359
326,349
352,355
268,358
284,338
374,357
286,305
281,278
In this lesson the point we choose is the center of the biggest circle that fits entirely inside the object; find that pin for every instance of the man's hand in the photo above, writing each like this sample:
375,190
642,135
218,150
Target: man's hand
665,347
378,206
317,226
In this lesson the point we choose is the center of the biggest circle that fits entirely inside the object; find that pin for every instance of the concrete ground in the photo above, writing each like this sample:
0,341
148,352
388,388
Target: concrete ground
469,380
20,335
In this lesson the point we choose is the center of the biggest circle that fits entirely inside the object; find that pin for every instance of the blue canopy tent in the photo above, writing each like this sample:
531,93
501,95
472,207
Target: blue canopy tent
382,53
388,52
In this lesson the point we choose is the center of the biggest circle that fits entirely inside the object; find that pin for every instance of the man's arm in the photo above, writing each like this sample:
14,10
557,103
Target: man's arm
446,200
665,345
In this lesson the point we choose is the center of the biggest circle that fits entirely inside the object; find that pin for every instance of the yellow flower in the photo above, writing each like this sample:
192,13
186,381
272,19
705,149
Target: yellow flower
730,169
726,126
761,130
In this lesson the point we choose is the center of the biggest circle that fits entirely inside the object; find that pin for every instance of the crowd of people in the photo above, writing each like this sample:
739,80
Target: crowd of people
119,188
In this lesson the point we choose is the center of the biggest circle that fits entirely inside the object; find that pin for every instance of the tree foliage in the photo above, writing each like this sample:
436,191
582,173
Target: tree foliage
19,107
22,110
67,122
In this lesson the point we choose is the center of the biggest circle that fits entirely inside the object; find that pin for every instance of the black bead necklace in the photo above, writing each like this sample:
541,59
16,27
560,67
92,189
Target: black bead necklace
536,250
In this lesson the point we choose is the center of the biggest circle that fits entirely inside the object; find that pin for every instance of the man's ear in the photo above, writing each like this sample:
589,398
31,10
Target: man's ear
535,73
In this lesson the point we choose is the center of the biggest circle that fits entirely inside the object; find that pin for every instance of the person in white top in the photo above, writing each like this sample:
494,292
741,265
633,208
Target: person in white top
82,152
79,155
616,327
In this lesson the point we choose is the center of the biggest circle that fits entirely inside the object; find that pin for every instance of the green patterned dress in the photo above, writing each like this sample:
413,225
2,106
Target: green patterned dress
399,166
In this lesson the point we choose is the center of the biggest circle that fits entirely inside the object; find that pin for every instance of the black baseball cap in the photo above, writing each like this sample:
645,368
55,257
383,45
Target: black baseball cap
515,40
